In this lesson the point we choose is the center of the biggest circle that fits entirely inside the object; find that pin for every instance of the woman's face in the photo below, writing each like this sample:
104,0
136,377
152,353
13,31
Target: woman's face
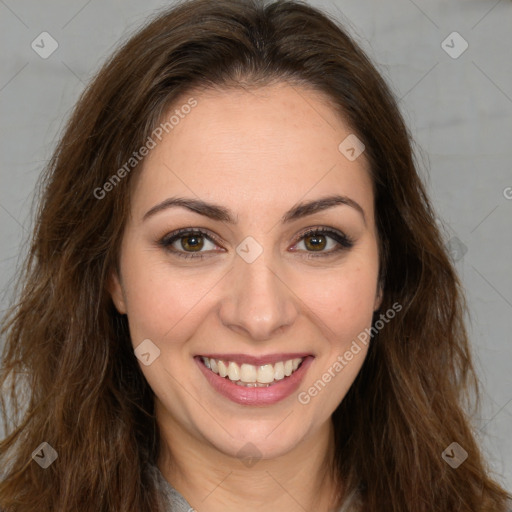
251,290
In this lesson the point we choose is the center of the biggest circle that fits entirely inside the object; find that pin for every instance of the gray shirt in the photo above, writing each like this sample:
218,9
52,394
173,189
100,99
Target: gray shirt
173,501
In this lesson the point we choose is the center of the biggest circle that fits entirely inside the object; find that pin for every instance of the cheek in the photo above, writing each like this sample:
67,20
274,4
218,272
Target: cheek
343,300
341,304
162,301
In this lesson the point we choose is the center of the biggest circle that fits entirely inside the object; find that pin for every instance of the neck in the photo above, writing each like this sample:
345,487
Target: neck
300,480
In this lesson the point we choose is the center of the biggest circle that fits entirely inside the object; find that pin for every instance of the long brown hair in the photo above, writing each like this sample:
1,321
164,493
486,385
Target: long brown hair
68,365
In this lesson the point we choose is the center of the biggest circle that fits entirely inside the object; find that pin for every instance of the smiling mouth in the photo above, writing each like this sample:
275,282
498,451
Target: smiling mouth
249,375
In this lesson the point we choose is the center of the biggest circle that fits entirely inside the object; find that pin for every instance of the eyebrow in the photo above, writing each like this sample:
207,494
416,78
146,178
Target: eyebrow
220,213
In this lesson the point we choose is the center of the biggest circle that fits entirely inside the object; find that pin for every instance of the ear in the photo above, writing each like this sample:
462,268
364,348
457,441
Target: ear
378,297
115,288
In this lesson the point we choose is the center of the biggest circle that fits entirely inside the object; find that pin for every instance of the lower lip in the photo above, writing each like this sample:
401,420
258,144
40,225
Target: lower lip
256,396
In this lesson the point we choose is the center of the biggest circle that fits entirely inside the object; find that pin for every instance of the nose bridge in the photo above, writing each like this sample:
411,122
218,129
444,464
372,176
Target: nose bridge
257,301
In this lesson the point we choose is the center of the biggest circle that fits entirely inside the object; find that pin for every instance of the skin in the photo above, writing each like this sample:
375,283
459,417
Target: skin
257,153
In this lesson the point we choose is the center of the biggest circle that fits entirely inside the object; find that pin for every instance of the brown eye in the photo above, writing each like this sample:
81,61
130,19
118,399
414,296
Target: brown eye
192,242
188,243
323,242
315,242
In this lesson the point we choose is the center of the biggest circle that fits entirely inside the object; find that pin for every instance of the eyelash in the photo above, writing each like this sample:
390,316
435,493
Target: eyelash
344,242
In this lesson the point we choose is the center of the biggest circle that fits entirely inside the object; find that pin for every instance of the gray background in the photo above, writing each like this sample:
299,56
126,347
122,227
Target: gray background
459,111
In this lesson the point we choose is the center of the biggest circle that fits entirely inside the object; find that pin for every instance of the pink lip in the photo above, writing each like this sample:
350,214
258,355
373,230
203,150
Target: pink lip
255,396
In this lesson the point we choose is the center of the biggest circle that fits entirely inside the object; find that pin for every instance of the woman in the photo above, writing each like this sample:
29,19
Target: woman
237,297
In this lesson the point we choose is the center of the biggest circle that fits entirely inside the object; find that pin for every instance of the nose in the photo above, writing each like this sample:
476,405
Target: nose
257,302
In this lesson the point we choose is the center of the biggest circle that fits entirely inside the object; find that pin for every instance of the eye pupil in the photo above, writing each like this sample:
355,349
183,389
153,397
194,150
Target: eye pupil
196,244
317,242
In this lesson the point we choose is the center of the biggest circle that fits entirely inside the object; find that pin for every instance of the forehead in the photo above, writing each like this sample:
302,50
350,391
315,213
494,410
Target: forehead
270,146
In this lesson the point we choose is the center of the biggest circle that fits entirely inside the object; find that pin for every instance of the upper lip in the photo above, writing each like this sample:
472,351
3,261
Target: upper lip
257,360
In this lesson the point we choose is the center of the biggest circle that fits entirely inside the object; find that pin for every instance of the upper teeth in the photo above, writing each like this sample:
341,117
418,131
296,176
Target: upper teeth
248,373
